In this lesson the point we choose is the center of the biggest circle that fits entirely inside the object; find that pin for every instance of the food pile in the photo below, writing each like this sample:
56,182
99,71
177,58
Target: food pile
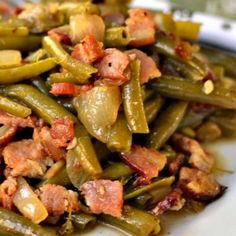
103,112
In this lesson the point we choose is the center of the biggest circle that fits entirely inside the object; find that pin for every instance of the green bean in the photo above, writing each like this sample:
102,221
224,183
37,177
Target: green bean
40,84
143,189
117,170
218,71
166,124
141,201
147,93
67,103
14,224
186,90
45,107
27,71
117,37
152,108
80,70
120,137
168,151
36,56
13,107
102,151
135,221
21,43
165,46
61,78
83,220
13,31
132,101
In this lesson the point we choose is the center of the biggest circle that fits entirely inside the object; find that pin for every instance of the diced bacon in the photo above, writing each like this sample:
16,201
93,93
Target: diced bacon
25,158
7,190
199,185
63,89
60,35
141,27
113,66
58,199
10,120
198,157
8,135
50,145
184,50
5,9
147,162
63,130
176,164
104,196
89,50
115,18
173,201
148,69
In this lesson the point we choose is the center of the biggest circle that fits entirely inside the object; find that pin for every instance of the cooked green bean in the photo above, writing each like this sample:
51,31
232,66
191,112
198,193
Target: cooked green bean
42,105
166,124
102,150
117,170
22,43
135,221
133,103
165,46
152,108
62,78
13,107
27,71
147,93
140,190
40,84
83,220
120,137
80,70
36,56
67,103
186,90
13,224
117,37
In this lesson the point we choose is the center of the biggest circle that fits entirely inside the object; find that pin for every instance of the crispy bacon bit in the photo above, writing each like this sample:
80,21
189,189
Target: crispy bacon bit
50,145
198,157
141,27
9,133
58,199
63,131
104,196
184,50
173,201
60,35
89,50
63,89
25,158
10,120
149,69
5,9
176,164
147,162
7,190
115,18
113,66
199,185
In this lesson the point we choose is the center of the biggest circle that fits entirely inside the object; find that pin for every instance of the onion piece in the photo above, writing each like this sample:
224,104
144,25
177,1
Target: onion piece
10,58
84,24
28,203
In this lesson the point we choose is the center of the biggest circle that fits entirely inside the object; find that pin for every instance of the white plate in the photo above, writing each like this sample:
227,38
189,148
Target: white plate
217,219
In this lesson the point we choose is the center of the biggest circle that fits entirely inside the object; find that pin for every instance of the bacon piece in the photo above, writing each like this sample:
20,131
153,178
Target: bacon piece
7,190
63,130
199,185
10,120
63,89
148,69
176,164
198,157
141,27
60,36
58,199
89,50
50,145
114,18
113,65
147,162
25,158
184,50
9,134
173,201
201,107
104,196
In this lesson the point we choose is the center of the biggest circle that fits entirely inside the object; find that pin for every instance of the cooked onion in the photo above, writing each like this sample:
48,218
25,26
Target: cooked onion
10,58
